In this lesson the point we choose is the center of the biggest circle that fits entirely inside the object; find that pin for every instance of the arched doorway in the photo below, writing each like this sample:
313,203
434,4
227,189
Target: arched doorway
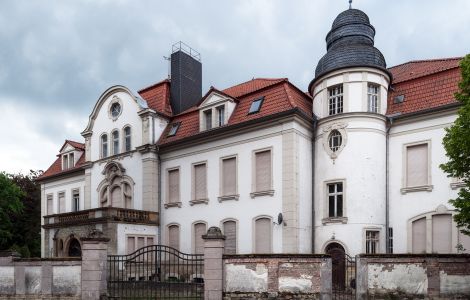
338,260
75,250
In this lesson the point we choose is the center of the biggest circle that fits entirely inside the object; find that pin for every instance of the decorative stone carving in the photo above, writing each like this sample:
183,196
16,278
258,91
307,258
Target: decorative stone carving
116,189
327,130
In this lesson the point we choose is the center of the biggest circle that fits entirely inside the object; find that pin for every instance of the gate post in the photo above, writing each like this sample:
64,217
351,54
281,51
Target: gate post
214,243
94,268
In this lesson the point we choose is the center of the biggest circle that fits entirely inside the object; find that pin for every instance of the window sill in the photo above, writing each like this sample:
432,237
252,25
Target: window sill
425,188
228,197
198,201
262,193
173,204
457,185
342,220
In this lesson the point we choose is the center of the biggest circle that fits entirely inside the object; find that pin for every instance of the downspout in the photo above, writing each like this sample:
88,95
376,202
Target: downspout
387,184
314,129
159,192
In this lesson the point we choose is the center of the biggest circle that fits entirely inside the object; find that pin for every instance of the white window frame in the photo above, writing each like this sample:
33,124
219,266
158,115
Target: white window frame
270,192
427,187
58,202
193,184
327,219
222,196
205,114
115,148
379,240
75,204
51,196
370,98
167,185
337,99
102,154
125,136
220,115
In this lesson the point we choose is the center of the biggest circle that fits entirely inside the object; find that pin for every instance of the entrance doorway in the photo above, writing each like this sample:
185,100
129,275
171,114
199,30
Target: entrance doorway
343,272
75,250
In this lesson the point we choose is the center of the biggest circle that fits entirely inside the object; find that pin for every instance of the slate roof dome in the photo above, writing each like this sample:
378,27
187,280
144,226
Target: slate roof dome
350,43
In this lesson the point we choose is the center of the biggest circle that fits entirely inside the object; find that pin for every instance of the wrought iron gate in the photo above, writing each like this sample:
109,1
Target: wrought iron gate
343,275
156,272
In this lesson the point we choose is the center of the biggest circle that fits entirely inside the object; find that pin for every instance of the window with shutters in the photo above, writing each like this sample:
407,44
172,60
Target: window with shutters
262,173
228,179
174,236
136,242
61,198
199,230
262,235
50,203
417,173
229,228
419,236
173,188
199,184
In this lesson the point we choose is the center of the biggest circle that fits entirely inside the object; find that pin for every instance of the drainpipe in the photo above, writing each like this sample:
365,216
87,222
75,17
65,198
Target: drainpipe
159,161
314,129
387,182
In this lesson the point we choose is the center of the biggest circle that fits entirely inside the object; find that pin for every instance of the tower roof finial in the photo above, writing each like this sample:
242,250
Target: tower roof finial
350,4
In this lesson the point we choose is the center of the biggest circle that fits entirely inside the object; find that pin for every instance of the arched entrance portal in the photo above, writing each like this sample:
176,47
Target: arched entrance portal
338,259
75,250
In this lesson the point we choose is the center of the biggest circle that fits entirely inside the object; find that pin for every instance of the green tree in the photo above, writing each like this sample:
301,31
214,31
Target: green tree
10,205
457,145
27,229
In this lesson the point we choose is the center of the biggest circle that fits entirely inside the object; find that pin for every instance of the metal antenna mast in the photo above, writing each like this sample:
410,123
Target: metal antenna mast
350,4
168,58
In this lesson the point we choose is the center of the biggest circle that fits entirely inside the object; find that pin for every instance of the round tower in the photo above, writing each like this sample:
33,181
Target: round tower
350,101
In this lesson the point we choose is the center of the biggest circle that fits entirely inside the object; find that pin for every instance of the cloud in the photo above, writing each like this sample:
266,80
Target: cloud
57,57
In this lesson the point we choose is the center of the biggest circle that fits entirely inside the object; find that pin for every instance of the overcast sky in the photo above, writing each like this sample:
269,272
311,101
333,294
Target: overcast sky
57,57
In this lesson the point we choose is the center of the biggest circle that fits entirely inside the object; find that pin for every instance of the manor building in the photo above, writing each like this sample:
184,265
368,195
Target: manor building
352,164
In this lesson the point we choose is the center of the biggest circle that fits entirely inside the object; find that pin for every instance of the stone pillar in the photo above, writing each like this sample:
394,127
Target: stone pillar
94,267
361,278
214,243
326,284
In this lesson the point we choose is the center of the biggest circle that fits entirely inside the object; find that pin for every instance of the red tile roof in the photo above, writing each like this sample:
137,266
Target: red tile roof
425,84
158,96
76,145
279,96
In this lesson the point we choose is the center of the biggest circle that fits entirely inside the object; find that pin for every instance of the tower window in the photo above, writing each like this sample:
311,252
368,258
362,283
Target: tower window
373,98
256,105
335,140
335,199
335,100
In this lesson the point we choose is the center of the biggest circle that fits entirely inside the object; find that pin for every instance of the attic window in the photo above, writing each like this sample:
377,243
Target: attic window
399,99
256,105
174,128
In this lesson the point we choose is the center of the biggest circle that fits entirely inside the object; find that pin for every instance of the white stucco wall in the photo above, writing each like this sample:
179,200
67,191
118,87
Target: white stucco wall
246,208
405,206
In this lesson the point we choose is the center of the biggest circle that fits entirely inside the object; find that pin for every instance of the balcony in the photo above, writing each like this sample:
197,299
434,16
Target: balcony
102,215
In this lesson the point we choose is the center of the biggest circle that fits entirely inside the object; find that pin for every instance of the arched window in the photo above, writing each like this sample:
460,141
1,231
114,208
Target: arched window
230,232
174,236
104,145
263,235
335,140
115,142
127,138
199,231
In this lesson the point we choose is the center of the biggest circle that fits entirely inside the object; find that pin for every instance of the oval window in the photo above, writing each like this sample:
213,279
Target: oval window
115,109
335,140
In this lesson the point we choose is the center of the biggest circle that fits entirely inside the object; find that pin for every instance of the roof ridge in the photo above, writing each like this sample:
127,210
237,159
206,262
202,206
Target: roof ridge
153,85
289,96
427,60
67,140
253,79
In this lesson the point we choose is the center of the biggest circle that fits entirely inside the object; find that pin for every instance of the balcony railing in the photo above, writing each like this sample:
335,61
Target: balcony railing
101,215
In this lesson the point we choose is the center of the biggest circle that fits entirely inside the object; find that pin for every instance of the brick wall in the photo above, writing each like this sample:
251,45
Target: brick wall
277,276
446,276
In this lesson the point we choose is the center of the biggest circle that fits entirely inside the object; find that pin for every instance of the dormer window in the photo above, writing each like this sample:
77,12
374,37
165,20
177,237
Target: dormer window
174,129
256,105
220,115
208,119
68,161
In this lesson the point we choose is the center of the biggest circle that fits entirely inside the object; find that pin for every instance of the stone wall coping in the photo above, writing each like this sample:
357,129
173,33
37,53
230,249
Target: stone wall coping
417,256
51,259
275,255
